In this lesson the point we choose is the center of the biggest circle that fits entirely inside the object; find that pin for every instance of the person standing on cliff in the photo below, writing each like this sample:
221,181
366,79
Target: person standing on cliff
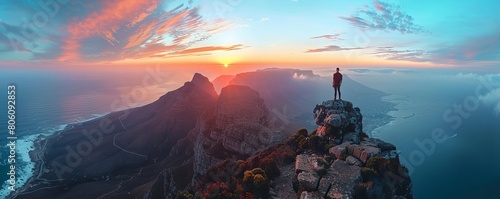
337,81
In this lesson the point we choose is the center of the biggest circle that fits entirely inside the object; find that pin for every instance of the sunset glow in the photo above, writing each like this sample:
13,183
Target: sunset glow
282,33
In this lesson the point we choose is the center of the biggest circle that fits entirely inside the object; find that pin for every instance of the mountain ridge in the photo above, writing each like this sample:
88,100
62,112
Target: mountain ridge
188,132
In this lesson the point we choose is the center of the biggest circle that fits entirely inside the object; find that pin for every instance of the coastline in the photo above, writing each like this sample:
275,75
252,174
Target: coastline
38,149
395,114
380,117
36,156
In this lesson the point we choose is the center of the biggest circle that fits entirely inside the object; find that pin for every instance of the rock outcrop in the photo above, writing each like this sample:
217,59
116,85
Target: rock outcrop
339,119
336,161
354,166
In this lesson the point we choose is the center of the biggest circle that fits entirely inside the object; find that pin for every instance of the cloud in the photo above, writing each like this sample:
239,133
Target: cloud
384,16
297,76
381,71
209,49
113,16
330,48
9,37
264,19
488,90
391,53
112,30
492,99
479,50
334,37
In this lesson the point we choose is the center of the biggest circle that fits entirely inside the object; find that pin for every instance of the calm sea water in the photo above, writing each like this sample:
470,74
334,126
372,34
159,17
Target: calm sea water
464,166
47,100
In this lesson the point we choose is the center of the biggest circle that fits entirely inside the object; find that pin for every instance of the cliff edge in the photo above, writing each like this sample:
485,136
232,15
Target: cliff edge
337,160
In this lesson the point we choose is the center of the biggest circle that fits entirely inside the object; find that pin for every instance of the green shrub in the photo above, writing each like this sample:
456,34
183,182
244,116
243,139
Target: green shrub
327,147
185,195
303,132
368,173
270,167
303,144
300,132
260,171
259,181
261,186
377,163
248,180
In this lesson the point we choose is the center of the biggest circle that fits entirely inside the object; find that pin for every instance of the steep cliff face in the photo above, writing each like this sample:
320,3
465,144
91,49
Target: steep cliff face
337,161
241,129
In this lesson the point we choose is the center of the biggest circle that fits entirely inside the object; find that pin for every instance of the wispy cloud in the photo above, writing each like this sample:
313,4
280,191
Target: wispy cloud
480,48
9,37
114,30
330,48
392,53
484,49
334,37
209,49
264,19
384,16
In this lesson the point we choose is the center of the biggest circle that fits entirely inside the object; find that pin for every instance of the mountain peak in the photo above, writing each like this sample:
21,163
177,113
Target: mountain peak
199,79
238,103
203,82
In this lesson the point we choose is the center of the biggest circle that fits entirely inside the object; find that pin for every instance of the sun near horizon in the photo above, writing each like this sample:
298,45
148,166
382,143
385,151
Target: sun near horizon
281,33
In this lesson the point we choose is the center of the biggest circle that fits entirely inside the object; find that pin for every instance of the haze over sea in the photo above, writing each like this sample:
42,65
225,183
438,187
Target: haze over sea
463,166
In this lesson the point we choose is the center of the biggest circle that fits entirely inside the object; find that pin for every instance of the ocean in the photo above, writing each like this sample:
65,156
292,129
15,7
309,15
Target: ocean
447,134
48,100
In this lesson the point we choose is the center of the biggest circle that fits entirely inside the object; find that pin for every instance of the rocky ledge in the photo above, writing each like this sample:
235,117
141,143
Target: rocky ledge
336,161
341,161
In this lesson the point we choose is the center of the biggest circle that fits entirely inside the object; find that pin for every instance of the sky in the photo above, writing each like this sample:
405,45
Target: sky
237,33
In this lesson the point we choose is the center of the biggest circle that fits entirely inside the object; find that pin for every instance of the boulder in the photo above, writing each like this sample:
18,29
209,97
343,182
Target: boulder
334,119
309,180
353,161
339,116
340,180
339,150
302,163
309,195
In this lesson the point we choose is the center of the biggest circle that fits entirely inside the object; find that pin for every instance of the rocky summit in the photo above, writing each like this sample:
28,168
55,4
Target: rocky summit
337,161
347,163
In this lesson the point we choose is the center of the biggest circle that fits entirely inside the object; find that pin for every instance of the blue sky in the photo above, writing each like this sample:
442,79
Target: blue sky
258,32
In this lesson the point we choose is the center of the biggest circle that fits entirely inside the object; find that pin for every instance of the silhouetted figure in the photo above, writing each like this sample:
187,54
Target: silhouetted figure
337,81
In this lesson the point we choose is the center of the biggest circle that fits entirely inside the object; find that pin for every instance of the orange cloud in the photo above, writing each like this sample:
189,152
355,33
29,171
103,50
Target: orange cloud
146,31
105,23
172,21
210,48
